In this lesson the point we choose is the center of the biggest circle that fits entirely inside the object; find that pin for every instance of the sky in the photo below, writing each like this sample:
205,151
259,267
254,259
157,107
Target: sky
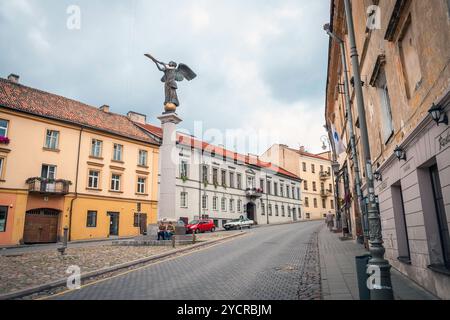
261,64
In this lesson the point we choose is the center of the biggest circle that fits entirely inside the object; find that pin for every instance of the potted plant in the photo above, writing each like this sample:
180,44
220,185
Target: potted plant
4,140
184,178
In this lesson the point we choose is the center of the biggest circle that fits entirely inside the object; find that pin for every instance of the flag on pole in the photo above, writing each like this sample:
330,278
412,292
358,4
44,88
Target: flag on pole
338,143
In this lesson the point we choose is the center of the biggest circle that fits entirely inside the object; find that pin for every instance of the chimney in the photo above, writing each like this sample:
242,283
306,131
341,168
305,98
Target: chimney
13,78
104,108
137,117
302,149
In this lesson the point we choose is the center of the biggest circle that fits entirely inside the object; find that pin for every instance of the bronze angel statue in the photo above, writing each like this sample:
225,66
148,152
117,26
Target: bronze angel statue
172,74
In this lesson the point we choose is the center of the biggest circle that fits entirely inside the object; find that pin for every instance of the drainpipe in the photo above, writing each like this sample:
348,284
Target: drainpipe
378,264
350,128
76,185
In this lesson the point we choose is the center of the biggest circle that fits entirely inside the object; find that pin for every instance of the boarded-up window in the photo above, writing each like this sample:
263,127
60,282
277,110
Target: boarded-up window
410,59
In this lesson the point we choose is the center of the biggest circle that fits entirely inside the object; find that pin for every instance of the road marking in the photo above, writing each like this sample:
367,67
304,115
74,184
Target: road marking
140,268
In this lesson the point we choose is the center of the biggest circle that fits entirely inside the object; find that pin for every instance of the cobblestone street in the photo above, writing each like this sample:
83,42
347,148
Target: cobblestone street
268,263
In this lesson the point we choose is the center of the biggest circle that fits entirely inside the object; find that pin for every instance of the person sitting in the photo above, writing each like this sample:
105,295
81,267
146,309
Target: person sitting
170,231
162,232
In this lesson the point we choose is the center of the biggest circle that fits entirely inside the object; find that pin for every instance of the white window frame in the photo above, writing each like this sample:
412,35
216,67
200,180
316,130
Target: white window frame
143,158
117,152
96,148
5,128
141,185
184,199
184,169
93,178
205,202
231,205
48,171
116,183
215,208
223,204
52,139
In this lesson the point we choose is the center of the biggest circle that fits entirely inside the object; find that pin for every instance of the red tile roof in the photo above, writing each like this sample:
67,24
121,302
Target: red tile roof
33,101
220,152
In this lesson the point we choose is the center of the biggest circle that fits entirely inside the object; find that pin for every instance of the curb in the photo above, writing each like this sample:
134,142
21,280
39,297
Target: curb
62,282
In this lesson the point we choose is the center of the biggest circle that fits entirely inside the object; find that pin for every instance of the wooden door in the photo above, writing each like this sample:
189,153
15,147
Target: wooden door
143,223
41,226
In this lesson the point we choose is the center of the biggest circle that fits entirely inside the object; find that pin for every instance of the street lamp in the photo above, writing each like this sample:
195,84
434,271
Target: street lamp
383,289
400,153
438,114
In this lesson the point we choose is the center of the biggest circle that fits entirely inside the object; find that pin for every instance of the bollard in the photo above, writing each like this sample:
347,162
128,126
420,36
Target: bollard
362,276
193,238
63,248
173,241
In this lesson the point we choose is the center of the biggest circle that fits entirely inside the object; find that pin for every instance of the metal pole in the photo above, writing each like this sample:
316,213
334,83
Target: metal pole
267,200
382,290
348,107
334,178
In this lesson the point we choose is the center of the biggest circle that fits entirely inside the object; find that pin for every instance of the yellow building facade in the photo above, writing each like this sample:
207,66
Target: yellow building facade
314,170
64,164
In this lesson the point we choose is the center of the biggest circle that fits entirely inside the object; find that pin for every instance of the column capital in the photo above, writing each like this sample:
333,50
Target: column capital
171,117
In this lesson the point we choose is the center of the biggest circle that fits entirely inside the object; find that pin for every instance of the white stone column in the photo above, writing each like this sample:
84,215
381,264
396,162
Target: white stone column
168,162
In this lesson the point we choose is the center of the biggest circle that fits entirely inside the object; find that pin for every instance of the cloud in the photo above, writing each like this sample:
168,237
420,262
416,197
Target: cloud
261,65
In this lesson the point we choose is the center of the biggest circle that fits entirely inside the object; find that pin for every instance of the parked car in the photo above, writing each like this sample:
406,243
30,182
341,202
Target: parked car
239,223
200,226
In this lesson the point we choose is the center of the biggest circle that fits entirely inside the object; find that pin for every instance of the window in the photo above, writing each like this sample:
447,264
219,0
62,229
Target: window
385,102
224,177
205,174
410,59
223,204
93,179
117,152
324,203
204,202
115,182
96,148
2,161
321,168
261,185
215,203
183,199
275,188
270,210
308,215
263,209
48,172
239,181
231,179
239,205
143,158
441,218
287,192
231,205
268,187
305,185
332,204
330,187
3,218
314,186
91,221
215,176
283,213
250,182
304,166
141,185
136,220
298,193
289,211
293,193
282,190
184,170
313,168
4,128
306,202
52,139
315,203
400,223
322,186
276,210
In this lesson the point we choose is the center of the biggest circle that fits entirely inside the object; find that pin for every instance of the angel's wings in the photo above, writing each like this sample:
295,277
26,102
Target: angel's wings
184,72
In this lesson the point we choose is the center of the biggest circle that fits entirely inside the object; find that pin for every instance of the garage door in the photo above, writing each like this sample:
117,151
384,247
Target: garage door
41,226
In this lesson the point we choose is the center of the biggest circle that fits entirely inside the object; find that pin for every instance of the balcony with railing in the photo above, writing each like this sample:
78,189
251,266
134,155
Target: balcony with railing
325,193
48,186
253,193
324,175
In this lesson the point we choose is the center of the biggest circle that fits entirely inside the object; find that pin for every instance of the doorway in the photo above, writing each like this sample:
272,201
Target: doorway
41,226
251,211
143,223
114,223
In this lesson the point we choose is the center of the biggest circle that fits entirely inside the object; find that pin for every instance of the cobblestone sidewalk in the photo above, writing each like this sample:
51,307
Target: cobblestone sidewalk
310,287
24,270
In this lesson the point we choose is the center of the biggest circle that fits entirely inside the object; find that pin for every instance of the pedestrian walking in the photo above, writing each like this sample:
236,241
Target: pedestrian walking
330,221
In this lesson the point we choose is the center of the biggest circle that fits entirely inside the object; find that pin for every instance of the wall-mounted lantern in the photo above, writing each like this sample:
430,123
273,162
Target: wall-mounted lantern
400,153
438,114
377,175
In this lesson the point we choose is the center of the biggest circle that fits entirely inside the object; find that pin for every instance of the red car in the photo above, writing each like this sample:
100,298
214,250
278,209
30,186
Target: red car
200,226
